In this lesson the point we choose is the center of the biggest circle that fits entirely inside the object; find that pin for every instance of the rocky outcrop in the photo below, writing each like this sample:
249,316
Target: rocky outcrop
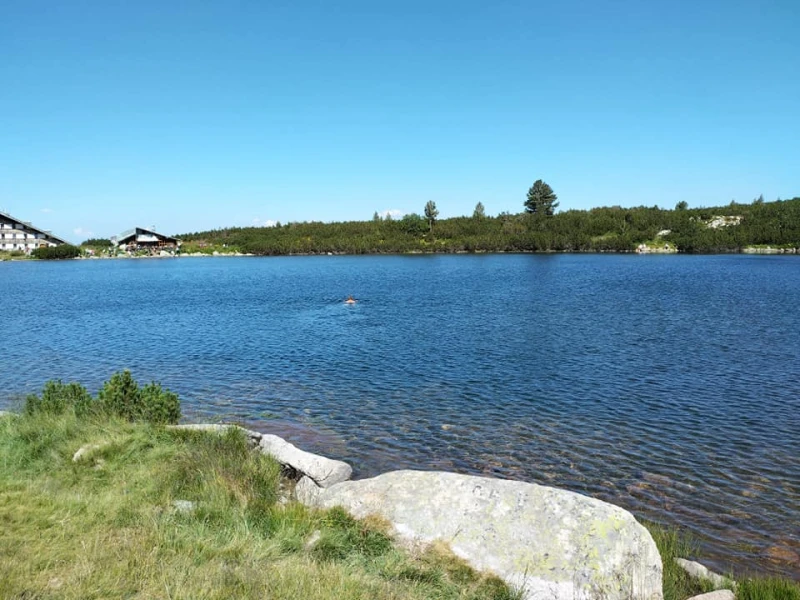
769,250
323,471
550,543
698,571
656,249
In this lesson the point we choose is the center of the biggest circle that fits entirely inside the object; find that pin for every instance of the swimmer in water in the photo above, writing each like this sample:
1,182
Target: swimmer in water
350,300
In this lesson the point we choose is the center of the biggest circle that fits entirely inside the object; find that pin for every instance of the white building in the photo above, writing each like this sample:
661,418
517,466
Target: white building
21,235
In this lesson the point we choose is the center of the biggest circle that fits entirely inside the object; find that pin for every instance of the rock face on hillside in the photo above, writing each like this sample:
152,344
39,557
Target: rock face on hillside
553,544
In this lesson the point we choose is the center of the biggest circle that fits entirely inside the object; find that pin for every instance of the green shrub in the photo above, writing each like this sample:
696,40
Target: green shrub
58,397
56,252
122,397
97,242
159,405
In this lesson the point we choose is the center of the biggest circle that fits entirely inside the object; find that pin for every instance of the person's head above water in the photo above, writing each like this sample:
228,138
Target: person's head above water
350,300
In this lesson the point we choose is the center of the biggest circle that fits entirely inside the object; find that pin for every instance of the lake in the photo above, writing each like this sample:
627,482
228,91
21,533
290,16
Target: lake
669,385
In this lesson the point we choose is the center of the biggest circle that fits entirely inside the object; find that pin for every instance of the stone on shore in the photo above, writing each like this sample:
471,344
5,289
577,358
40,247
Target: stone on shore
698,571
325,472
716,595
550,543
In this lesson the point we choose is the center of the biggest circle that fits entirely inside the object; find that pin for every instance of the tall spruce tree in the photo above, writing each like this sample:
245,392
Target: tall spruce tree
431,213
541,199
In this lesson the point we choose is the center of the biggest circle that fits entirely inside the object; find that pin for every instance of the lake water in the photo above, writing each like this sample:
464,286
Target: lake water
669,385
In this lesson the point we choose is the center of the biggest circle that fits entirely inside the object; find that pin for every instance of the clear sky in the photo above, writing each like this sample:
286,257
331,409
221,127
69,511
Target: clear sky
203,114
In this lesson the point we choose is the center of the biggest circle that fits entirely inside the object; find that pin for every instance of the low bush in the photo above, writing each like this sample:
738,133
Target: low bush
120,396
56,252
159,405
58,397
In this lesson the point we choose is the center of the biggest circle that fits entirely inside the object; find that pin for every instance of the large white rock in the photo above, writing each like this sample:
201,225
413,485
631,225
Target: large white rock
552,544
325,472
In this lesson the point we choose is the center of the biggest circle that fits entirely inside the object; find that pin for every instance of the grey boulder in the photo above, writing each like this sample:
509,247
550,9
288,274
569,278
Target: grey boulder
698,571
324,472
551,544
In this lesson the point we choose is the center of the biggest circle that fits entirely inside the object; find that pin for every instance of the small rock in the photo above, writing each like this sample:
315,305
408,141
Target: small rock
55,583
698,571
85,451
313,539
324,471
717,595
183,506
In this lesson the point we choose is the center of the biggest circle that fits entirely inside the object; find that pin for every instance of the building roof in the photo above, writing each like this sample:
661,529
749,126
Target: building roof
125,236
32,228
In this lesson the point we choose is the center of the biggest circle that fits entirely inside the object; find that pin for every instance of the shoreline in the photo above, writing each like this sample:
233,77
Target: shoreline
750,251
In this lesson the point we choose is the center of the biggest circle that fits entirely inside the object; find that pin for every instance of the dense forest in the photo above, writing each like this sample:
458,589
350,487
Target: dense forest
606,229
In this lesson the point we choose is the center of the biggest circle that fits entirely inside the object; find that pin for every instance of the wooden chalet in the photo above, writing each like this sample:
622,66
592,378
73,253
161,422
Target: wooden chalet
141,238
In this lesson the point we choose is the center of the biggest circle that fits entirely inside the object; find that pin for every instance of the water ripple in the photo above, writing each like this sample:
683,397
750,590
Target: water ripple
667,385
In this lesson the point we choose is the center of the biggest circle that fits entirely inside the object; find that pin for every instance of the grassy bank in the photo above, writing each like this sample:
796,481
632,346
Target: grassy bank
107,525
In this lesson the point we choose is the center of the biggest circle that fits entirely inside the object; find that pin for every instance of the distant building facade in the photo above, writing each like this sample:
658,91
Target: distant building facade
21,235
141,238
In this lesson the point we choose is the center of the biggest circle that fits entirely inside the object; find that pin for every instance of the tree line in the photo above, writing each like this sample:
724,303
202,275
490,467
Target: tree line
538,229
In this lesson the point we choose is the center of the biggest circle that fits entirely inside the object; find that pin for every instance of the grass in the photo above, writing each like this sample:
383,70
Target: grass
106,526
678,585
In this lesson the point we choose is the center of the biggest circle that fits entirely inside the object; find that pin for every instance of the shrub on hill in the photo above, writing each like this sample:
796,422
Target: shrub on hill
58,397
56,252
120,396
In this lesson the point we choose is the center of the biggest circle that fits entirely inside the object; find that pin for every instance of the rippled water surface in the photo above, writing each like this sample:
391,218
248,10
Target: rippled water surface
669,385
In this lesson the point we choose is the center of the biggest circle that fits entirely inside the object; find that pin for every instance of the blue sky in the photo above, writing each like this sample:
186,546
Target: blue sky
197,115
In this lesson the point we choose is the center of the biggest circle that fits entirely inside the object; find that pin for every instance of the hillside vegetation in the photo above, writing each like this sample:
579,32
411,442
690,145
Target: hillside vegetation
606,229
